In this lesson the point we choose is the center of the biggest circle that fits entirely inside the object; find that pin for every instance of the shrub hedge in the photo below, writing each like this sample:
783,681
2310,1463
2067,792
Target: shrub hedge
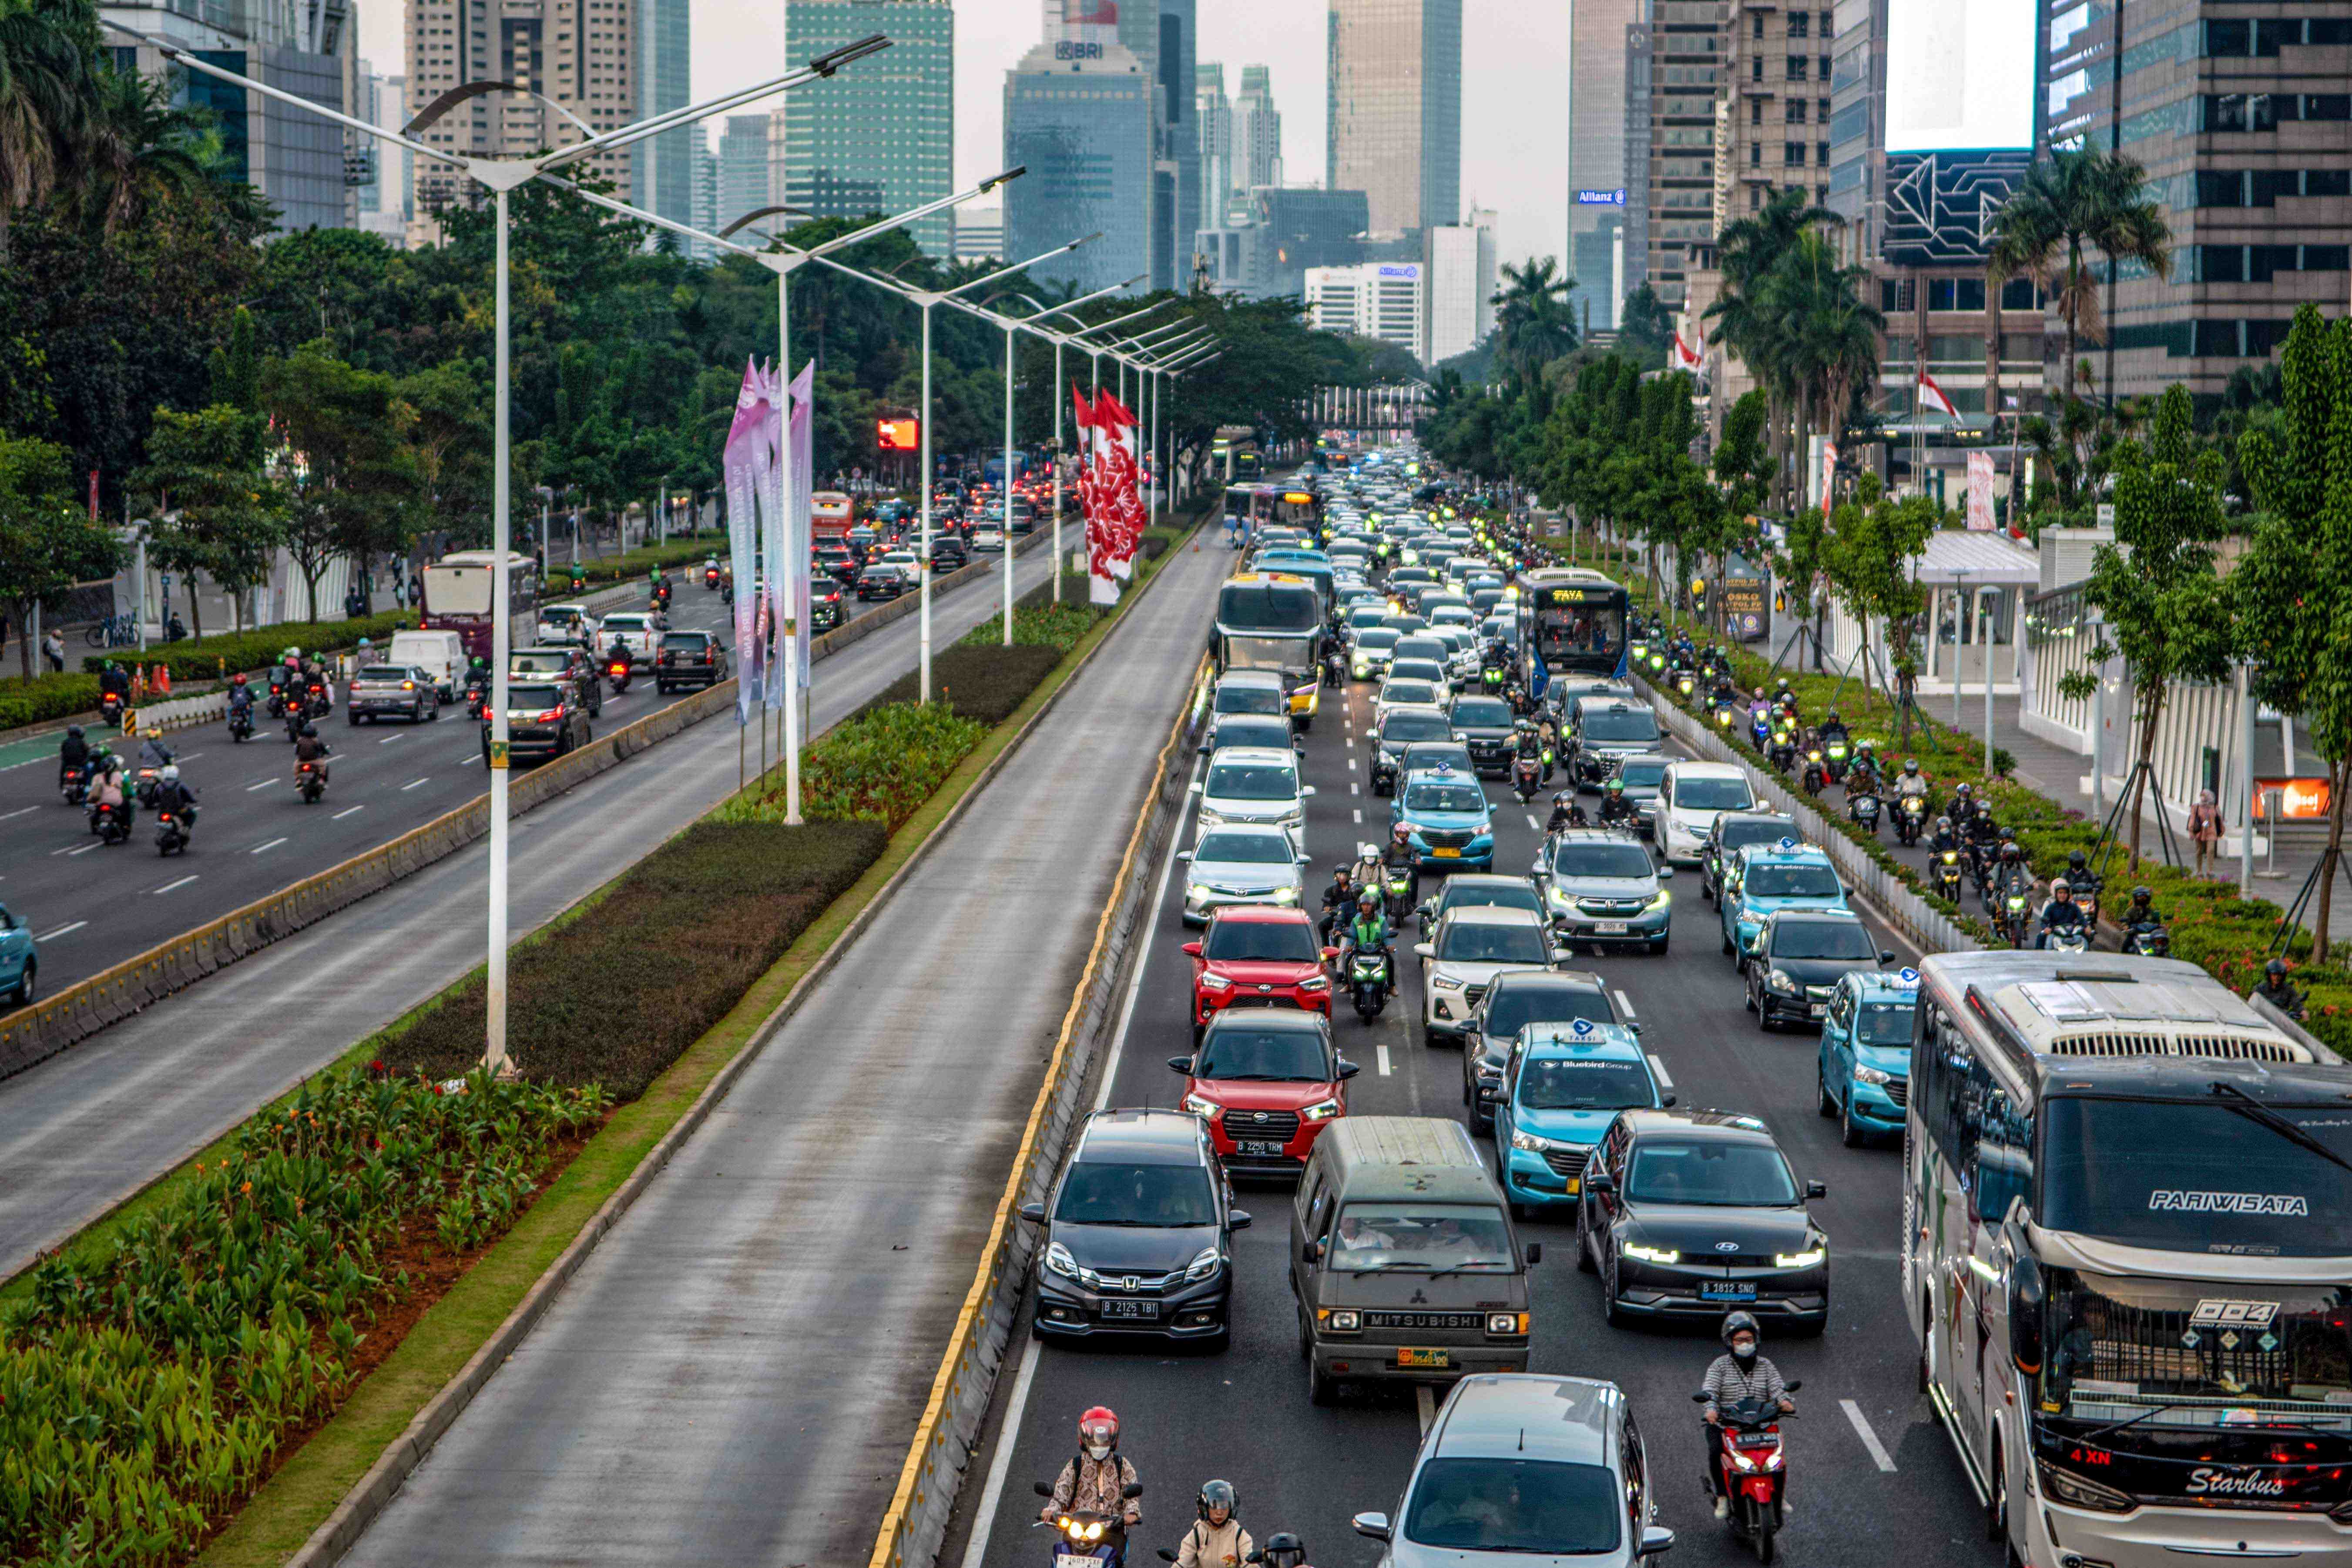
1038,622
208,659
637,562
50,697
984,684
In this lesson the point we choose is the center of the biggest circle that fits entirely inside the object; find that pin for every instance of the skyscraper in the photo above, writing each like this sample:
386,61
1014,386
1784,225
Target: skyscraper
1394,127
879,137
1179,144
1257,136
706,194
1078,116
1213,124
1677,76
662,167
742,168
382,201
1596,154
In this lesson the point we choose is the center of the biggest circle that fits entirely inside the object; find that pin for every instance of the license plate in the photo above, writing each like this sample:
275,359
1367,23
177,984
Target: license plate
1817,1009
1608,928
1728,1290
1072,1560
1575,1185
1256,1146
1409,1357
1149,1308
1442,852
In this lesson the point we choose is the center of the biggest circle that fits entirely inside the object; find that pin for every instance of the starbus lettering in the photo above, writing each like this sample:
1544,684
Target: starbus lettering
2206,1481
2229,1203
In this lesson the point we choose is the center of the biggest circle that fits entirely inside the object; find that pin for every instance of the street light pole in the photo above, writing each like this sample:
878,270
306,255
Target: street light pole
494,1052
1008,482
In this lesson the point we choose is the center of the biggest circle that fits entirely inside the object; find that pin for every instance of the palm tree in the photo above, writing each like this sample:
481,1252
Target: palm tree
141,147
1779,275
2069,203
47,49
1532,324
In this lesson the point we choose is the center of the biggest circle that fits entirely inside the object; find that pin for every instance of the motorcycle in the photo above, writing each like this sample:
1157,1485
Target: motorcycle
110,708
1367,982
1946,873
2149,938
240,724
145,788
1397,885
310,782
1085,1539
1783,752
294,722
1685,683
619,675
2011,919
1910,816
1524,778
1759,727
2074,939
1816,775
1750,1467
1335,668
171,833
710,579
1491,677
1864,809
1836,751
1724,715
110,823
277,704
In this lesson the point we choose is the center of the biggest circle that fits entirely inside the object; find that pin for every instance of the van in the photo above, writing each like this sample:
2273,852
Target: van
1402,1259
441,655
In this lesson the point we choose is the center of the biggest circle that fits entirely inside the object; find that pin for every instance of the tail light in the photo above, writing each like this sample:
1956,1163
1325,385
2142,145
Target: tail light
619,667
707,656
550,717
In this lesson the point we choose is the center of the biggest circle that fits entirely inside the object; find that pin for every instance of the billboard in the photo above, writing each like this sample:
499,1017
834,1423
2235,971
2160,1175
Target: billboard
1959,77
899,434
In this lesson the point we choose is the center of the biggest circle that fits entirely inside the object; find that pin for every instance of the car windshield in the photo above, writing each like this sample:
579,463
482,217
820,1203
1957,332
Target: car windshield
1245,848
1401,727
1704,794
1715,1172
533,697
692,642
1643,775
1265,699
1510,1008
1740,834
1884,1023
1502,893
1368,616
1417,669
1782,879
1599,858
1469,941
1377,638
1102,1192
1418,692
1539,1507
1821,938
560,615
1615,728
1252,780
1430,794
1482,712
2211,1177
1577,1083
1420,647
1259,730
1421,1237
1268,941
383,672
1282,1056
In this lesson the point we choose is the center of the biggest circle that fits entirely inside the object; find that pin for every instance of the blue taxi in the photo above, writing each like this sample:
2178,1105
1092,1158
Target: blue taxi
1446,819
1563,1085
1762,879
1866,1060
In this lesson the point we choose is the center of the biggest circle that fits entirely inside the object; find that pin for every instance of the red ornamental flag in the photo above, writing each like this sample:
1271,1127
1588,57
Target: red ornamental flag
1122,452
1686,356
1096,502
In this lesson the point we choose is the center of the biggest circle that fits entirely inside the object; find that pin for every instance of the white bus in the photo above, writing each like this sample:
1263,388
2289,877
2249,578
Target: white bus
2127,1255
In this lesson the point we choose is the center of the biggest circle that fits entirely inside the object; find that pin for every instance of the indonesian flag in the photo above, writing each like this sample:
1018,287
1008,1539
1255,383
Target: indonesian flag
1932,397
1686,356
1122,467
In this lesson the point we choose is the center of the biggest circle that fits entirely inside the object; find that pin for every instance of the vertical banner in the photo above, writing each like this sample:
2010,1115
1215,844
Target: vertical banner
1121,452
746,457
801,482
1094,501
1829,476
774,553
1980,492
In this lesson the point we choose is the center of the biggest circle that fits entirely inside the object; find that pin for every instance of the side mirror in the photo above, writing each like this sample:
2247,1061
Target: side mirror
1304,859
1349,1069
1305,790
1183,854
1655,1539
2026,1298
1535,1253
1191,950
1311,1253
1563,954
1329,953
1668,1099
1816,1190
1600,1181
1424,950
1237,1219
1042,1489
1181,1064
1375,1525
1193,788
1034,1213
1665,874
1132,1491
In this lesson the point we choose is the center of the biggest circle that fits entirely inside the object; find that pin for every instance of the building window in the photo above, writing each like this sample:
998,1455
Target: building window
1756,68
1821,154
1800,24
1756,154
1793,154
1755,111
1755,20
1798,66
1754,198
1796,111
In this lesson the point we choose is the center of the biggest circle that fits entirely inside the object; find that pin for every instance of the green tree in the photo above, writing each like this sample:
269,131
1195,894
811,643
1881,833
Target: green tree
2068,203
48,99
356,483
236,371
1645,329
220,515
1871,546
48,543
1532,324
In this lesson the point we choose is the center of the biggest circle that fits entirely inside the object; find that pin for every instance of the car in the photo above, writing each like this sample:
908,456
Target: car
1137,1233
440,654
1764,877
545,718
1258,692
1866,1054
834,559
1562,1085
1641,775
989,536
1477,889
884,580
1599,888
20,965
568,663
1256,955
1395,694
949,553
1689,1214
1423,645
1364,608
689,659
381,690
1799,959
1690,797
1251,730
1467,950
1253,784
1486,726
562,624
1430,670
1602,733
631,635
1446,819
1242,865
1266,1082
1526,1467
826,608
1374,646
1513,1002
906,561
1395,730
1735,830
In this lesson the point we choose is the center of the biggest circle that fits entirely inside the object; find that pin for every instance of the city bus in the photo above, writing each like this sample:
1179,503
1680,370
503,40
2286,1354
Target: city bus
1251,507
459,596
1578,620
1273,620
2127,1228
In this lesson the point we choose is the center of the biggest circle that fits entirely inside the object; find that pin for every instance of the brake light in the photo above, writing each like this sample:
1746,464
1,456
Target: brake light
408,685
550,717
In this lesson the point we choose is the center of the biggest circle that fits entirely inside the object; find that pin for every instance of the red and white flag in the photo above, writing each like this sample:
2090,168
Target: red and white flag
1107,493
1932,397
1685,357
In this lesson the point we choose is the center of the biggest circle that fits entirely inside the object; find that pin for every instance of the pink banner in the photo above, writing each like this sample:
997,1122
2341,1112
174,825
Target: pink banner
747,465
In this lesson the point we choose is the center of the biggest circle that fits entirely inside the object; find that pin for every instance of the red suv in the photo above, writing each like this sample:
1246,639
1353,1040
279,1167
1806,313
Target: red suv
1256,955
1267,1080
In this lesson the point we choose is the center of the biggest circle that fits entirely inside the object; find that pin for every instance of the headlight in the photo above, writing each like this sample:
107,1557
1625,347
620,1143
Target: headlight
1651,1254
1344,1322
1059,1261
1285,895
1560,897
1805,1259
1197,891
1204,1264
1529,1141
1661,901
1872,1076
1320,982
1445,983
1199,1106
1778,980
2080,1491
1216,983
1507,1323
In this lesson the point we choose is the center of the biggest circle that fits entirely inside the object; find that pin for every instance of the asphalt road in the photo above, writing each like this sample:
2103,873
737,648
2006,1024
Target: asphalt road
1244,1414
87,1129
92,905
734,1374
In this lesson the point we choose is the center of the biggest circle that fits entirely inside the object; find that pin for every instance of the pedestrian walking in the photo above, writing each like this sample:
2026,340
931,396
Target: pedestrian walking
2205,829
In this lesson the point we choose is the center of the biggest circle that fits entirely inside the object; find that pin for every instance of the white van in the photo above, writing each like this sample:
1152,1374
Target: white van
441,655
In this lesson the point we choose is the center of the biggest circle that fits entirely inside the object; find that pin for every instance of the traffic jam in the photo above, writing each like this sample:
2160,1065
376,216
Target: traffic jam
1509,1150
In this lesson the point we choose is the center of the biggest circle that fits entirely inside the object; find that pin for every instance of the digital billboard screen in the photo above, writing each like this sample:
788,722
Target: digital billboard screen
1959,77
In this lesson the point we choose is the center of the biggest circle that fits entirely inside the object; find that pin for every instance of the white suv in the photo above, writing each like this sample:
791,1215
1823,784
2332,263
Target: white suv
1472,945
1690,797
1252,785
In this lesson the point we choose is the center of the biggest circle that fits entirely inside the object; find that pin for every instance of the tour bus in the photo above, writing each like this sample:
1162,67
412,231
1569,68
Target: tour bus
1579,620
458,597
1272,620
2127,1224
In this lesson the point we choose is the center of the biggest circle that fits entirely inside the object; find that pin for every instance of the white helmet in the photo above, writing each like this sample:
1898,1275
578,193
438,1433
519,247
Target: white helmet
171,773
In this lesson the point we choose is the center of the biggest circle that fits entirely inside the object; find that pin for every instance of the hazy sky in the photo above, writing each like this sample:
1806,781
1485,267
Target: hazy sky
1514,93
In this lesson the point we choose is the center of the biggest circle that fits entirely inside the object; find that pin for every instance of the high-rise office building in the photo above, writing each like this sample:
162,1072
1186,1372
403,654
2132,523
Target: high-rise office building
1212,124
706,194
744,168
382,201
1298,228
1394,126
1776,119
1459,272
879,137
1258,134
662,167
2240,122
1078,116
304,166
1176,174
1596,156
581,53
1857,134
979,233
1386,300
1675,62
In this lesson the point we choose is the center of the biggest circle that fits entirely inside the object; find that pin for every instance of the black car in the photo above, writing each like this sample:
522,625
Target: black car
883,580
545,718
1732,831
689,659
1252,730
835,561
827,610
1690,1213
1138,1233
1400,727
1800,957
949,551
1601,732
1485,724
1515,999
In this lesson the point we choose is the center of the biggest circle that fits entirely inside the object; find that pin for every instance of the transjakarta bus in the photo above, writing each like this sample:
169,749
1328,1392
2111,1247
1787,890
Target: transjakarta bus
1287,505
1272,620
458,599
2127,1223
1579,619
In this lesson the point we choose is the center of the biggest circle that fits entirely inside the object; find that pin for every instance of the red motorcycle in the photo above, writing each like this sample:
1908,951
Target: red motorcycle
1750,1469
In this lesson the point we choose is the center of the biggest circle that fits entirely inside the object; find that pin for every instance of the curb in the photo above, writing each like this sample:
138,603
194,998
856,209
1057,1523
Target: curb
374,1491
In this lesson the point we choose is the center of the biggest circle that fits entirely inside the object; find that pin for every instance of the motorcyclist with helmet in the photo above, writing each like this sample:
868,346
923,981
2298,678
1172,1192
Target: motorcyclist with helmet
1339,900
1216,1539
2142,910
1369,932
1616,809
2011,875
1097,1475
174,794
73,755
240,697
310,748
2061,913
115,682
1397,856
1565,812
2079,877
2276,990
1832,727
1945,839
1742,1373
1911,781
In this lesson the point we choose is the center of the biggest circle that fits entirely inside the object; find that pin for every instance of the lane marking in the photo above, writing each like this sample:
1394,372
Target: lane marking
181,883
1869,1438
259,847
61,931
1352,788
263,784
1424,1406
1358,813
189,756
1624,1003
1351,765
1666,1078
19,812
1351,742
345,812
1533,822
395,735
83,850
413,782
1001,1463
1387,1068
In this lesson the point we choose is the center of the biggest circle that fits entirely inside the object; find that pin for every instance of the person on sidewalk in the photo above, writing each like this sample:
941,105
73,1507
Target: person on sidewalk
2205,829
53,649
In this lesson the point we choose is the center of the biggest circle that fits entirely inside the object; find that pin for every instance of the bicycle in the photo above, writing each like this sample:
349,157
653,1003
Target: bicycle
114,631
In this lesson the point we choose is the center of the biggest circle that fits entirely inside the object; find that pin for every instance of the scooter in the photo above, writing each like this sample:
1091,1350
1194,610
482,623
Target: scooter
1816,773
1864,809
1526,778
2148,939
1835,754
240,724
1367,982
2011,917
110,708
110,823
1749,1467
2074,939
1491,677
145,788
171,833
710,579
1946,873
1910,816
1783,752
310,782
74,784
1398,886
619,673
1084,1539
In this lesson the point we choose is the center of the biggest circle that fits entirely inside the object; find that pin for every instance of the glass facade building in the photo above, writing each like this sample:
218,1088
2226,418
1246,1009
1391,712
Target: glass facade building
879,137
1394,126
1078,116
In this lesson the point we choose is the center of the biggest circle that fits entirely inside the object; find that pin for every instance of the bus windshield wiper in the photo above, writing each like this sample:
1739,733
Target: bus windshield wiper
2254,1110
2132,1421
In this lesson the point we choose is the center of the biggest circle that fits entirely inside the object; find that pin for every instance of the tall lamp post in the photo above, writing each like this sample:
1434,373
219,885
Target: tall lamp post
1061,340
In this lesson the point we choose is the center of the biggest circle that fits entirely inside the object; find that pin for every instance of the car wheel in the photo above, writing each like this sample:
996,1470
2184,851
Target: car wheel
1618,1317
1996,1513
352,719
1583,1243
1748,998
28,989
1827,1104
1321,1388
433,714
1763,1017
1852,1136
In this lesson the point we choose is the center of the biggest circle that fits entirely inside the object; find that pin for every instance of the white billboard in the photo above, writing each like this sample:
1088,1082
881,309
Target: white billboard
1959,75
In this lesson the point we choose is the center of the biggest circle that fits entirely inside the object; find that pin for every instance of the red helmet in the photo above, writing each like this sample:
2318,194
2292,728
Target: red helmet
1098,1428
237,679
